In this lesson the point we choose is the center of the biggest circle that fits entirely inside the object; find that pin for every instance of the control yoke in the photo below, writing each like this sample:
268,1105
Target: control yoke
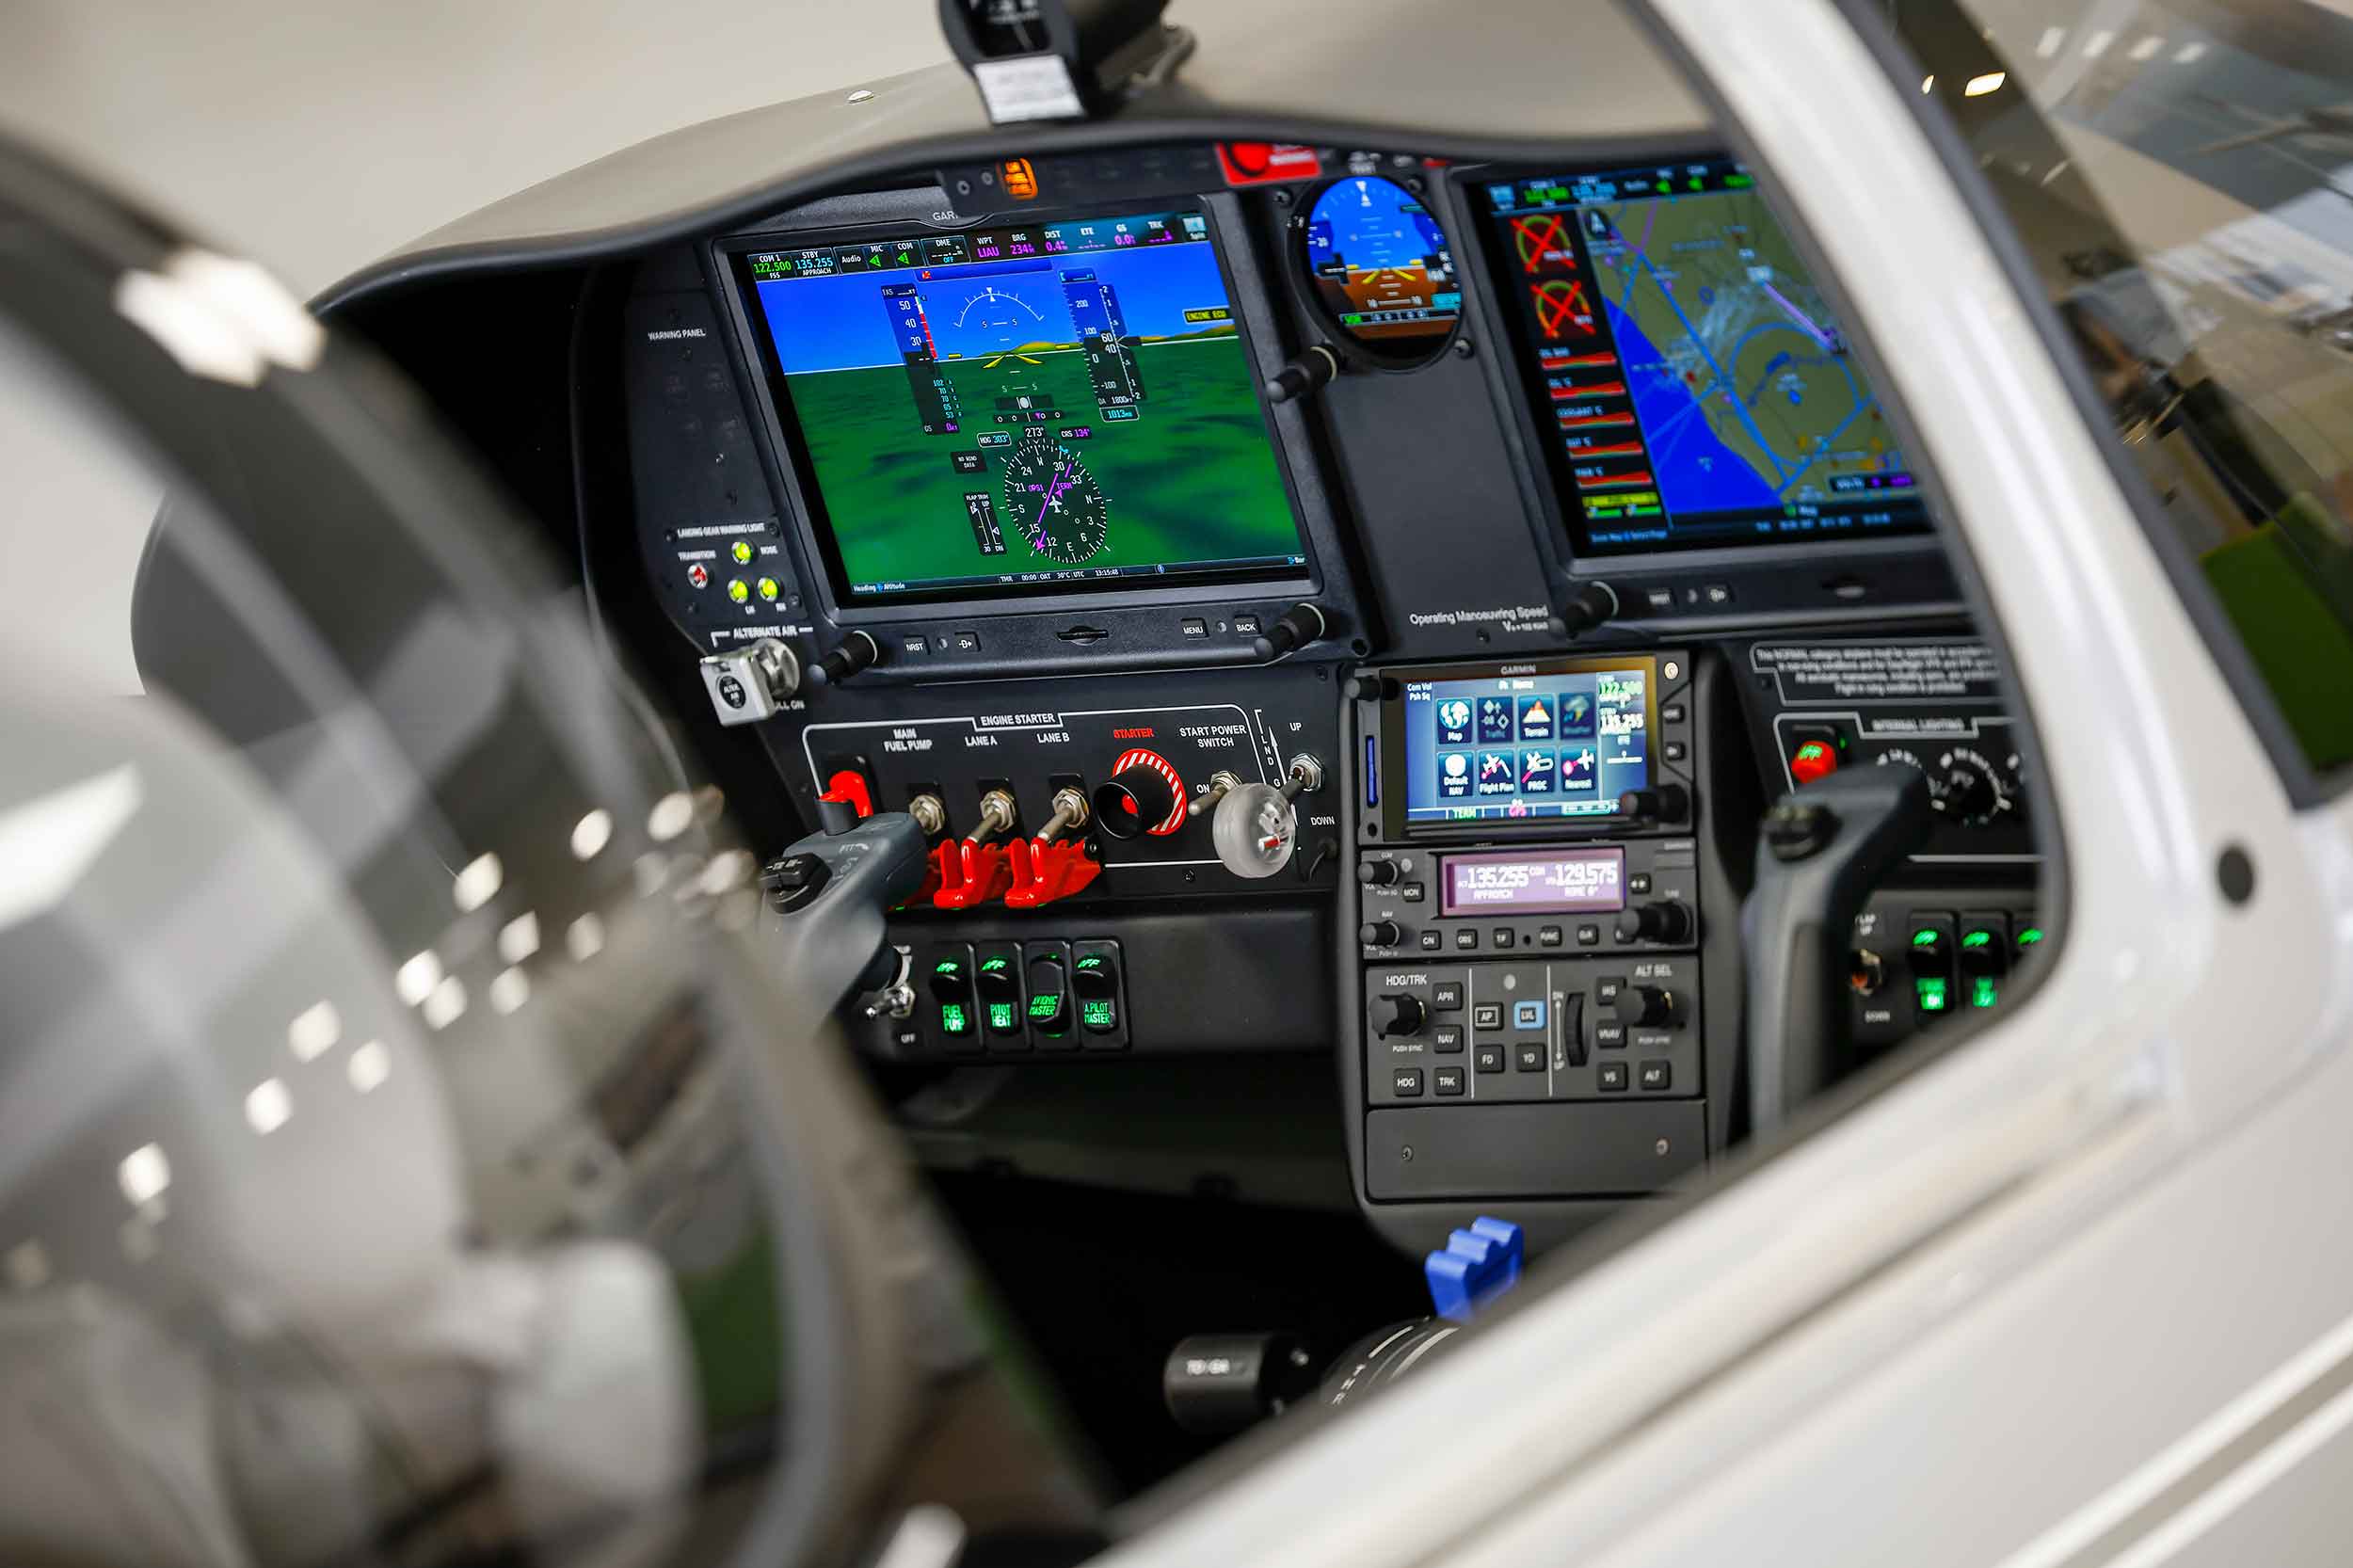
1820,851
836,887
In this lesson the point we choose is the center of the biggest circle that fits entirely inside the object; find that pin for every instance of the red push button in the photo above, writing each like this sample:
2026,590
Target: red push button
1811,760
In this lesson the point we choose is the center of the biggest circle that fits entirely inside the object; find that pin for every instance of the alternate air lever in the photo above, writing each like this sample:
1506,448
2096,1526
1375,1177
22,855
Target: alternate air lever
1256,827
748,684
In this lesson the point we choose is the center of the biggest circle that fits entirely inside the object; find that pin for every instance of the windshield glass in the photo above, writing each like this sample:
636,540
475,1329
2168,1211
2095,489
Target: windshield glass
2181,176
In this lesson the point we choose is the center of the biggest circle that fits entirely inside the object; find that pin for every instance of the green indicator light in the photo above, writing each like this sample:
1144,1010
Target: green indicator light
2029,936
1738,182
738,589
1001,1015
1044,1004
1974,940
1931,994
1696,184
1090,962
949,966
1983,992
990,966
951,1019
1098,1015
768,588
1924,939
742,552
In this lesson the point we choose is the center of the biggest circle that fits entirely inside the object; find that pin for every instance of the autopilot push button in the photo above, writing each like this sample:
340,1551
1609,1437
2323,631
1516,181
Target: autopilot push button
1487,1014
1405,1083
1447,997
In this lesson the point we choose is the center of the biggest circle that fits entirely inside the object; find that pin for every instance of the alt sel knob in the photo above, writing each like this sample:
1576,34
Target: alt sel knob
1379,934
1663,921
1395,1013
1645,1005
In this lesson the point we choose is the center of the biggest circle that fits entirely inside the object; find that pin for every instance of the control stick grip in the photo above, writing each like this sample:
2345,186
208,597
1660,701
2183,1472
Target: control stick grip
1822,849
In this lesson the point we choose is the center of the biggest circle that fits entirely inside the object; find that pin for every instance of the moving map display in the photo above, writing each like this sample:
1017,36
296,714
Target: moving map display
1066,401
1507,748
1689,384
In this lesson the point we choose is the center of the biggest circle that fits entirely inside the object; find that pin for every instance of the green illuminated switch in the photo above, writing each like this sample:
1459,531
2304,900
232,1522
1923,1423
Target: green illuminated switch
947,979
1096,982
1929,950
1984,956
1048,1007
997,982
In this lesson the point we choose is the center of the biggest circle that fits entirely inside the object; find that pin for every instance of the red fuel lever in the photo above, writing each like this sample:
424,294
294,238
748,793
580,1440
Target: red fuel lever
1043,872
971,874
848,787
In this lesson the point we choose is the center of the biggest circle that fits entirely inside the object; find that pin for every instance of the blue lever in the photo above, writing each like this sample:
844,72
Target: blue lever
1477,1265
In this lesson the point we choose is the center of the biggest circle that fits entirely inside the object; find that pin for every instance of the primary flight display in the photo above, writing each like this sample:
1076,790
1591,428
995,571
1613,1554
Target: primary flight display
1069,402
1689,382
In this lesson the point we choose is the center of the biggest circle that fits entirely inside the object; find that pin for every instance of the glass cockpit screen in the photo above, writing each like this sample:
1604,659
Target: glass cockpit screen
1689,382
1526,747
1066,401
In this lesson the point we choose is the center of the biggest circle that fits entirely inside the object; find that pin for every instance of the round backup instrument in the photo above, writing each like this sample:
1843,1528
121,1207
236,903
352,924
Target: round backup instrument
1381,269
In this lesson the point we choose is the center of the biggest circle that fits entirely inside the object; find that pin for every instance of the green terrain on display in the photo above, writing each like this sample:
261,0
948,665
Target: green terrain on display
1191,478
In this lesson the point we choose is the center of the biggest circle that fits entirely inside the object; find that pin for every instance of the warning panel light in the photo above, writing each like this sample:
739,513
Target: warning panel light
1020,180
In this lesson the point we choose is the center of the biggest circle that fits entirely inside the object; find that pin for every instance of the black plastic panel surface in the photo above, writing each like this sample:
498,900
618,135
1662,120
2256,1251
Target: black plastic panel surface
1531,1151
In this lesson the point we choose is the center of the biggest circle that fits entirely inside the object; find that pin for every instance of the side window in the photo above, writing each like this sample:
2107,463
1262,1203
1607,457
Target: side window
2181,180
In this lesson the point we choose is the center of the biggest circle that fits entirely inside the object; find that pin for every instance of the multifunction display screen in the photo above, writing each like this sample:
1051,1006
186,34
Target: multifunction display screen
1068,402
1689,382
1539,882
1504,748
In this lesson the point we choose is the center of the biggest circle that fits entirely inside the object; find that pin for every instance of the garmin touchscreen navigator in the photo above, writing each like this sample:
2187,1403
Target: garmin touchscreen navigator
1688,384
1507,747
1067,403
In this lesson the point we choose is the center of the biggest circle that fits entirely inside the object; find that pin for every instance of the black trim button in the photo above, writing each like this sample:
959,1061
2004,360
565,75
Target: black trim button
1674,751
1671,713
1655,1078
967,642
1549,936
1466,938
1606,990
1447,1039
1609,1036
1487,1014
1433,941
1487,1058
1405,1083
1611,1076
1414,893
1193,626
1503,939
1659,598
915,642
1447,997
1638,883
1589,935
1447,1080
1248,627
1719,594
1528,1059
